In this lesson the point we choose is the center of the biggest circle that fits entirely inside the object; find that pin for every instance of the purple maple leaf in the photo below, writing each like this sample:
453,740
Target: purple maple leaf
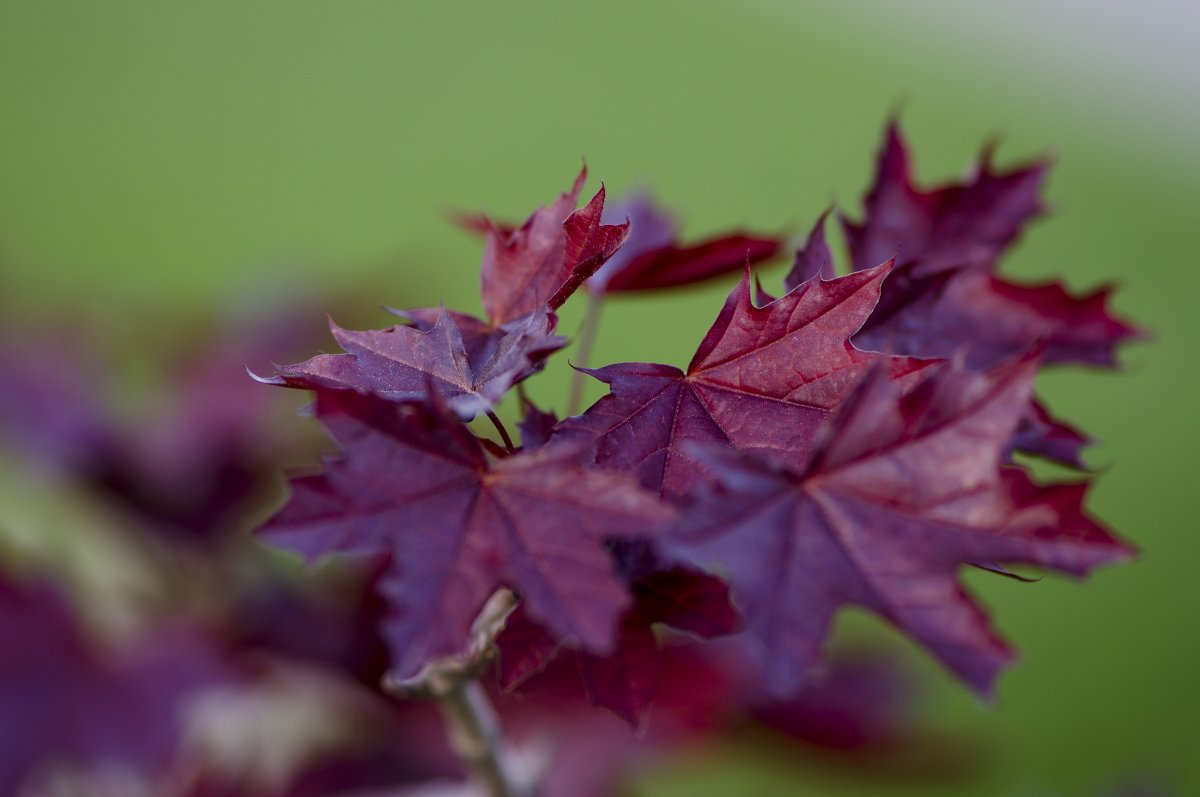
626,680
958,225
901,492
402,362
415,483
653,258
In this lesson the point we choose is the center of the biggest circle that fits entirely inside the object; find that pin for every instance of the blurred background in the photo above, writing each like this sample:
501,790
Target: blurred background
167,166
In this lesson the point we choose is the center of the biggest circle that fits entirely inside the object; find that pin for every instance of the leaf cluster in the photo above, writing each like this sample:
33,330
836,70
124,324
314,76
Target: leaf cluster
849,442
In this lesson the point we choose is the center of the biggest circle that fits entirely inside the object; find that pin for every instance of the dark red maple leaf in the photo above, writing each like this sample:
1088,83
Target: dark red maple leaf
901,492
527,274
989,320
1080,329
414,482
546,259
652,257
402,362
958,225
763,378
626,681
69,701
592,751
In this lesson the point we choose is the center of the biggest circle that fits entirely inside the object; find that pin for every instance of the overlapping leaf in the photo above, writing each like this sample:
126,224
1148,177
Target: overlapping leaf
814,259
901,492
401,362
527,274
542,262
989,320
1043,435
416,483
592,752
653,256
957,225
943,298
626,681
763,378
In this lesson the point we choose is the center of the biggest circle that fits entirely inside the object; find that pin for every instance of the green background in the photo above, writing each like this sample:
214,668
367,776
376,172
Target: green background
160,160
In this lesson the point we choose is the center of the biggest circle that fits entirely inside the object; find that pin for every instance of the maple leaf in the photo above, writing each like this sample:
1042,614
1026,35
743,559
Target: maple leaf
652,257
814,259
1042,435
536,426
991,320
69,702
943,297
626,680
866,698
402,362
902,491
527,274
987,320
542,262
592,750
763,378
957,225
1080,329
415,483
942,300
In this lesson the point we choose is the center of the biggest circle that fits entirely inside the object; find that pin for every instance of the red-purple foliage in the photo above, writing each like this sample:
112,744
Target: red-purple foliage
900,493
849,443
67,699
652,257
417,484
763,378
818,451
957,225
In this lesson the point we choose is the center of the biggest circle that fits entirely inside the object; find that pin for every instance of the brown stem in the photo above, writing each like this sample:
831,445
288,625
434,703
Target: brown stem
472,727
476,737
587,339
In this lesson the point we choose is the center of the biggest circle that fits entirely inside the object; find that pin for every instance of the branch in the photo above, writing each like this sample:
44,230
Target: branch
472,727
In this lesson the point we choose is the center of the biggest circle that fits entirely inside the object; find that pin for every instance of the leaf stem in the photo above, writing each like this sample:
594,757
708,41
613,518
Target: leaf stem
508,443
475,735
587,339
472,727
